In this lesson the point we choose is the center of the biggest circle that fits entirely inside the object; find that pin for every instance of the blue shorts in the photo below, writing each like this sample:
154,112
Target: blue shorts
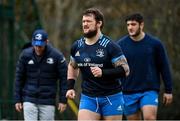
105,106
135,101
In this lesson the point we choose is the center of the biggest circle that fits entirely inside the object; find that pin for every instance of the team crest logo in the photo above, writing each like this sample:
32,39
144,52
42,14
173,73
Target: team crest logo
100,52
63,60
50,60
38,36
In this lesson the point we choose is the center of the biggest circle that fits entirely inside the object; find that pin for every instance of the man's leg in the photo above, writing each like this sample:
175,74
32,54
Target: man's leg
88,115
149,105
135,116
132,107
30,111
89,108
110,118
149,112
46,112
112,107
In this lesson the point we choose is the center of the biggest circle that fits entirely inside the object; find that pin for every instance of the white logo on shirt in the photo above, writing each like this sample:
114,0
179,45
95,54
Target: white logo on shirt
100,52
63,60
77,53
30,62
50,60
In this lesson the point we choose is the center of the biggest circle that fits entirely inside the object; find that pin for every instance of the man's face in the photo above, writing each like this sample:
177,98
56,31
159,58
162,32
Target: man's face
134,28
39,50
89,26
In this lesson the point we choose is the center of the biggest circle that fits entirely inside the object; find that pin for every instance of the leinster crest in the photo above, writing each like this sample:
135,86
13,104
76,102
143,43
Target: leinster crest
100,52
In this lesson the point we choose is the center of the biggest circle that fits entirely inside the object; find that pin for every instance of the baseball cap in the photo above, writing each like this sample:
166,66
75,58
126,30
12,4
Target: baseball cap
39,37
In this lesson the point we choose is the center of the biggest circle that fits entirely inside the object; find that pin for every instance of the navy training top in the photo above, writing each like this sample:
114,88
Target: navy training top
147,60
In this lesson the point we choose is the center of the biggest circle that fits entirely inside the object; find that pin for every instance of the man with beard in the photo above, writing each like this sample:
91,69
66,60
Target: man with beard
101,63
148,61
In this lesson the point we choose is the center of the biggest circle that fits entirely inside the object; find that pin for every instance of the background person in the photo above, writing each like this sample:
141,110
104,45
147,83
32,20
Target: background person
38,71
148,62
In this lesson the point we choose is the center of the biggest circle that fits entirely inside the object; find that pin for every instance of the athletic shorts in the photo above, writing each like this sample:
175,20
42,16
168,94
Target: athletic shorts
135,101
105,106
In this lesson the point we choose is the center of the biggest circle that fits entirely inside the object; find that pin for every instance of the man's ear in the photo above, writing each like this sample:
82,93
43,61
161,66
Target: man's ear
142,25
99,23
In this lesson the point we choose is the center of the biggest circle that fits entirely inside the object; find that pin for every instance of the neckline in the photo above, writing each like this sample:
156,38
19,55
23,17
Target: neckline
140,41
100,37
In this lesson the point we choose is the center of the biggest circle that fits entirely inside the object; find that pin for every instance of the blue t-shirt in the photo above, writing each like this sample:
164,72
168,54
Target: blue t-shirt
147,60
104,53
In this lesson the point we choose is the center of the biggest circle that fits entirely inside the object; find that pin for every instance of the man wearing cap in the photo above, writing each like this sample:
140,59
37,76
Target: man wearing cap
38,71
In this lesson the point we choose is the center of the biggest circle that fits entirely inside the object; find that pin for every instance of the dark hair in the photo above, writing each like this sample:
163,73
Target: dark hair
136,17
97,14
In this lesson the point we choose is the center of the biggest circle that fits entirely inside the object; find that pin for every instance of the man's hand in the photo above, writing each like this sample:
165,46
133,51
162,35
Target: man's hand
96,71
19,107
70,94
62,107
167,98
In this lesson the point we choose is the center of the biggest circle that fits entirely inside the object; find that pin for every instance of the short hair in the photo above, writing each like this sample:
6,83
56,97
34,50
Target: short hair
135,17
97,14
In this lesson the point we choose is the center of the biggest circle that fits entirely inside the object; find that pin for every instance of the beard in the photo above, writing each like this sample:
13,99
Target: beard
91,33
137,33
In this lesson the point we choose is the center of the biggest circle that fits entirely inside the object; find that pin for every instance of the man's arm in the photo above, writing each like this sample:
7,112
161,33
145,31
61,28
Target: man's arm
19,83
123,64
62,75
73,72
121,69
164,67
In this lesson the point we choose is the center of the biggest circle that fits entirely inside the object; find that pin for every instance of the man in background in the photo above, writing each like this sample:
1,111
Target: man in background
148,62
38,71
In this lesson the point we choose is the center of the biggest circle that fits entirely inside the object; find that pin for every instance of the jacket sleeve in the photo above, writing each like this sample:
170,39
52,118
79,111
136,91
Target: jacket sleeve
19,78
164,67
62,74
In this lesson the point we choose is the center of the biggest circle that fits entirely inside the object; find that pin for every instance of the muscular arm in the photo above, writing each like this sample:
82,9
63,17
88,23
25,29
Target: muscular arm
123,63
73,70
73,73
121,69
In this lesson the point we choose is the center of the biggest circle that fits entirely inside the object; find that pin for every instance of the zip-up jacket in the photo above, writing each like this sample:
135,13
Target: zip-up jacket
37,80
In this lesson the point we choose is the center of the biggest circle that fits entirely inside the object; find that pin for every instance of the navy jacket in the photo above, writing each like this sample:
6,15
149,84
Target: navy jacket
37,79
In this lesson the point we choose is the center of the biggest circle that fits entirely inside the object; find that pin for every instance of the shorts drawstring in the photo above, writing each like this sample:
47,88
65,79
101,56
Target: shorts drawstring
108,100
97,104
